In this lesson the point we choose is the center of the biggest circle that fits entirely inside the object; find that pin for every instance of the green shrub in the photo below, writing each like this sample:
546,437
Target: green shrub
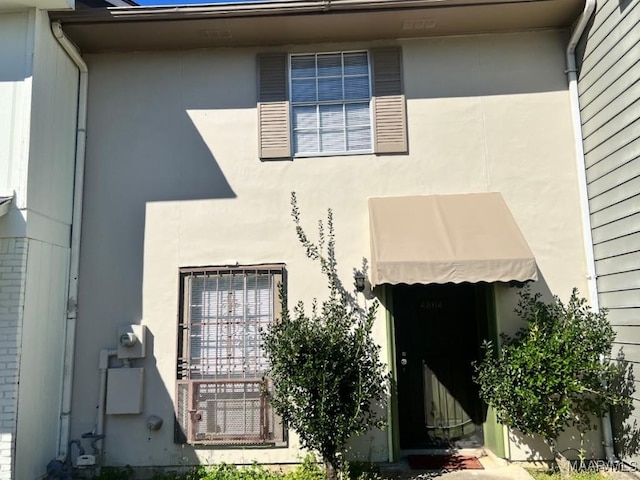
554,372
326,369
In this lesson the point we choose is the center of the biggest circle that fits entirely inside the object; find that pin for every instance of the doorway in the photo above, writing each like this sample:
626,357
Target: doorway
438,333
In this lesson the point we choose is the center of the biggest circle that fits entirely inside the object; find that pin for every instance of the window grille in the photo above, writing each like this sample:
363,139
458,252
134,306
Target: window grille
223,393
276,115
331,96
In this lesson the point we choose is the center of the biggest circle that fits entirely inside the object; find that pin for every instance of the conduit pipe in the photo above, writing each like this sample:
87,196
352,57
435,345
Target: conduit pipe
72,308
103,366
572,76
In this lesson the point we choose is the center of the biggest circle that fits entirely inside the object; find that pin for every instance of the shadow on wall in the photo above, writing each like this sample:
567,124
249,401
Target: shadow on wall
625,426
157,158
624,4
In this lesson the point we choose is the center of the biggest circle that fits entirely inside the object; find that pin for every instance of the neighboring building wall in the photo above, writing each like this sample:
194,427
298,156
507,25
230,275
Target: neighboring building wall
173,180
49,209
16,48
38,103
609,102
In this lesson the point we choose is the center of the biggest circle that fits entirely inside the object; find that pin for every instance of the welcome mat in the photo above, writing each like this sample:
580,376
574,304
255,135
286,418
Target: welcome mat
444,462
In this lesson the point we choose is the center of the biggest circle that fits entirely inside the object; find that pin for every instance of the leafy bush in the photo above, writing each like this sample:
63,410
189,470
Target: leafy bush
554,372
325,366
309,469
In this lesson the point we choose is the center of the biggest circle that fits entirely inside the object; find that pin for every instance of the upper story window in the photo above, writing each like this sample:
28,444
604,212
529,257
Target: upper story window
330,103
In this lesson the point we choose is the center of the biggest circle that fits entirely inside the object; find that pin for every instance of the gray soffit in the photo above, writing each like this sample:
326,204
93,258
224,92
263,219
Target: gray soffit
297,21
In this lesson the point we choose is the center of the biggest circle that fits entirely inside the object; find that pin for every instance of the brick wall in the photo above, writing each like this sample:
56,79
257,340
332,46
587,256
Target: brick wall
13,263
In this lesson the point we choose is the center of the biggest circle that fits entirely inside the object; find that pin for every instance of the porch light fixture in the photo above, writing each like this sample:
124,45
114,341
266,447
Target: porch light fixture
359,278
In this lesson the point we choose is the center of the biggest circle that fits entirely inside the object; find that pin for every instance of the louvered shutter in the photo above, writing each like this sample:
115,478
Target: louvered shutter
388,102
273,107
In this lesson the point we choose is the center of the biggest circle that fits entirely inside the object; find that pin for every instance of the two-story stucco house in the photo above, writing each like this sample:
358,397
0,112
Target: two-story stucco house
609,98
440,133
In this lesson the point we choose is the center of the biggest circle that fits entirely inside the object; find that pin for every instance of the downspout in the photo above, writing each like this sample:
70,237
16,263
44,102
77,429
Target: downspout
572,76
72,308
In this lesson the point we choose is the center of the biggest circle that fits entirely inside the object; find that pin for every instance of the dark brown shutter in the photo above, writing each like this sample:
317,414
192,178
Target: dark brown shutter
388,102
273,107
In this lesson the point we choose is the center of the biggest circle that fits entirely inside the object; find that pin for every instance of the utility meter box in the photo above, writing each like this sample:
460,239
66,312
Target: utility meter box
131,341
124,391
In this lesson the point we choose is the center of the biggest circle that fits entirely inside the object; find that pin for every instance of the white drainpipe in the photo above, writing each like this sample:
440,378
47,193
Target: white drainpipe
589,8
70,334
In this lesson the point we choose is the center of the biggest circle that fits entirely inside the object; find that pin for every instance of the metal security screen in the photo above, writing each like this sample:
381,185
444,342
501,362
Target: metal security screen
222,390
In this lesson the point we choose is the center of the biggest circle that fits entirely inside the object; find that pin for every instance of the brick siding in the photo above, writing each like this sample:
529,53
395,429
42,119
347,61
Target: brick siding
13,264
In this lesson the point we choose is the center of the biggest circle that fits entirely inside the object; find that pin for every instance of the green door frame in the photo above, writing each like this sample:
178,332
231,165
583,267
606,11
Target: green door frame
493,431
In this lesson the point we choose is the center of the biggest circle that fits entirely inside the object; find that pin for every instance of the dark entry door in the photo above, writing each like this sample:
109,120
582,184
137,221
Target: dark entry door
438,330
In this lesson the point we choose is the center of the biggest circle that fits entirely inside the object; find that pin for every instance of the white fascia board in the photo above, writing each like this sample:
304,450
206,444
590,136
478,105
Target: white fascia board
9,5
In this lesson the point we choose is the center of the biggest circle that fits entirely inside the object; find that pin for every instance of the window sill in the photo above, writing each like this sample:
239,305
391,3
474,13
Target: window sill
333,154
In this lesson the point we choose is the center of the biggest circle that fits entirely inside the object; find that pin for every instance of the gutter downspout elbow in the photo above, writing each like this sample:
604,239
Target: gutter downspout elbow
74,260
572,77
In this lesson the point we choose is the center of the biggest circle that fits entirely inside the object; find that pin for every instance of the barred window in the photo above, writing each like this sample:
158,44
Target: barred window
223,392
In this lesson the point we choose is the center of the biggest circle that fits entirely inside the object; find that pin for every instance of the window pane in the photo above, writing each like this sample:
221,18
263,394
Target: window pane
305,117
303,66
357,114
356,63
332,141
330,65
303,90
335,90
304,141
331,116
356,87
359,138
330,89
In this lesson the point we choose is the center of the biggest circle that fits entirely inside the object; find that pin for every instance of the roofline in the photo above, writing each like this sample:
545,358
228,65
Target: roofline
258,9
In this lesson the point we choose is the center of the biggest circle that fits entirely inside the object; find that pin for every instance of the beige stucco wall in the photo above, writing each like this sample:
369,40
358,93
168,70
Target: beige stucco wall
173,180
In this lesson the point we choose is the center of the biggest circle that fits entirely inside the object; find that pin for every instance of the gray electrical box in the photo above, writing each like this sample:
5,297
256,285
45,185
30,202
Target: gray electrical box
124,391
131,341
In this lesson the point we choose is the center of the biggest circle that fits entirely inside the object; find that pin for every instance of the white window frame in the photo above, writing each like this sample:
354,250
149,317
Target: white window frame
318,103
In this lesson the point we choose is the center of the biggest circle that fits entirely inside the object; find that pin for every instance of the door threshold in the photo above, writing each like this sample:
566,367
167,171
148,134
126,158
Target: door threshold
470,451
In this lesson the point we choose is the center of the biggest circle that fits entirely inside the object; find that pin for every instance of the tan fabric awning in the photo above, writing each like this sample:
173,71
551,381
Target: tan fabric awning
447,238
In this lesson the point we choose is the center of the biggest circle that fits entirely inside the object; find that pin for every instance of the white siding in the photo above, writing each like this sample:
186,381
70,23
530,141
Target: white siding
52,139
609,87
49,210
38,103
41,367
16,48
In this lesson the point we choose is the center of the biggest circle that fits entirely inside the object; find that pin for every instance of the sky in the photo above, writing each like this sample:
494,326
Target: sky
185,2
